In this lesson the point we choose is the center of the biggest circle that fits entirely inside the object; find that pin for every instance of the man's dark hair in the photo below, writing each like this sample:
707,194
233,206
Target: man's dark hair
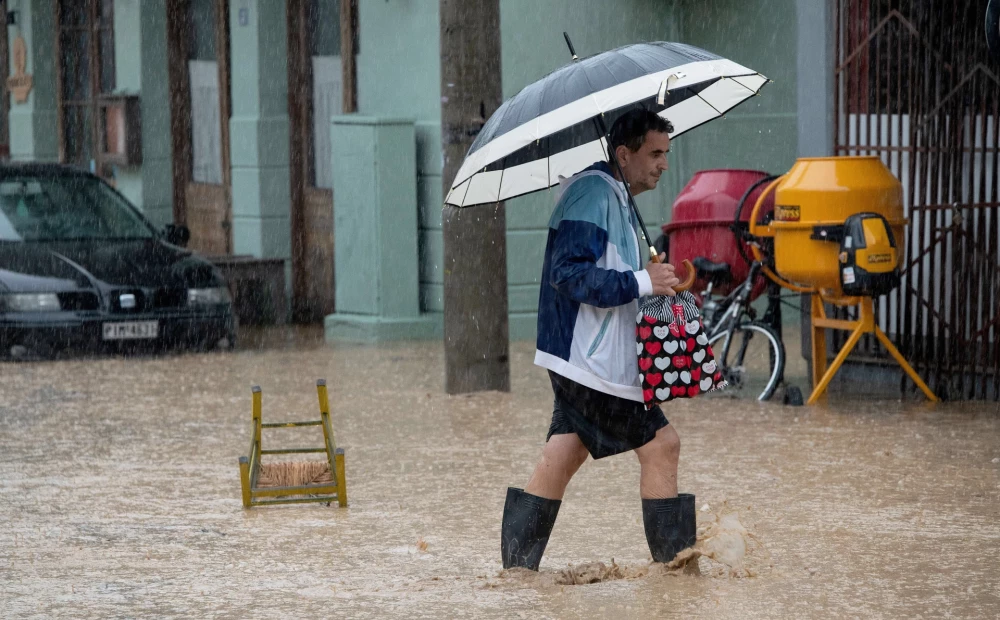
630,129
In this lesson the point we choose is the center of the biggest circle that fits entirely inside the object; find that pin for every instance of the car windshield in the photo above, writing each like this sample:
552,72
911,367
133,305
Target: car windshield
65,208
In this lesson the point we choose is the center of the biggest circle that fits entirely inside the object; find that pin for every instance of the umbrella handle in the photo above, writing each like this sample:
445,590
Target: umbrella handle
691,273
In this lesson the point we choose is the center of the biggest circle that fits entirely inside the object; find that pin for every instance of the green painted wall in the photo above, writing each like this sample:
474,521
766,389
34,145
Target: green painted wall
761,134
399,71
32,124
399,74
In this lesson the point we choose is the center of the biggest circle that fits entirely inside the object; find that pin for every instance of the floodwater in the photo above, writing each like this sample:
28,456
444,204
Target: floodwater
120,497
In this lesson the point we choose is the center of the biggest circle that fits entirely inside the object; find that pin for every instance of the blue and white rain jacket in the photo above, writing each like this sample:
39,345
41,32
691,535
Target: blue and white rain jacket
592,279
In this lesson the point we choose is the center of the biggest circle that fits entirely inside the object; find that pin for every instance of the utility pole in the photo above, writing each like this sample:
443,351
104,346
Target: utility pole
475,245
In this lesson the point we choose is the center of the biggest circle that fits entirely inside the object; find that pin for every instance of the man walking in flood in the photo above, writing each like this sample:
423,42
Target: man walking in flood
592,279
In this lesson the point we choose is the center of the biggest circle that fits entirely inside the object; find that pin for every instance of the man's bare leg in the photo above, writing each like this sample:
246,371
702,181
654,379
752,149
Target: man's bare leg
658,465
668,517
529,514
561,458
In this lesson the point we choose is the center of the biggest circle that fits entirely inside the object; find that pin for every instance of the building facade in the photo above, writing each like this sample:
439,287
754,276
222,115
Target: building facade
234,100
305,135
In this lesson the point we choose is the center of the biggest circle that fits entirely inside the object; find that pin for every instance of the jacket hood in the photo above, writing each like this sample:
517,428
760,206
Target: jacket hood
601,169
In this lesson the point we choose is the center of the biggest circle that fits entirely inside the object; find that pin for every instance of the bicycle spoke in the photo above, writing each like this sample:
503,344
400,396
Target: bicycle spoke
753,367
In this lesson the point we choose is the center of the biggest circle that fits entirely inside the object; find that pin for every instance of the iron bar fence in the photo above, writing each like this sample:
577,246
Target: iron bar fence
914,85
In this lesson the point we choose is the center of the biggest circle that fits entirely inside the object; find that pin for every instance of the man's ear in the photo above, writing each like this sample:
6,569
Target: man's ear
622,153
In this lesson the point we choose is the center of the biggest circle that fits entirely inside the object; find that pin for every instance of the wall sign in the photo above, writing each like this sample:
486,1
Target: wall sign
20,83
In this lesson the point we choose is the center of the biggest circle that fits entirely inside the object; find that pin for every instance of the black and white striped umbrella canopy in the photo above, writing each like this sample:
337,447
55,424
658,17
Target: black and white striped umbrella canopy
547,130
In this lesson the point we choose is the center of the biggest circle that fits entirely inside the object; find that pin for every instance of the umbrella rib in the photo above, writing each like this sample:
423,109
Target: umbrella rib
465,196
698,95
743,85
503,168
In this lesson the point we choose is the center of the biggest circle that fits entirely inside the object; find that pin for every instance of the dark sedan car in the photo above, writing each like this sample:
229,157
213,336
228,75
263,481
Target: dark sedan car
81,268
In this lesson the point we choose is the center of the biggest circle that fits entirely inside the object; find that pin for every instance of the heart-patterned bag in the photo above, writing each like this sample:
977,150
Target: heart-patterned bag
675,359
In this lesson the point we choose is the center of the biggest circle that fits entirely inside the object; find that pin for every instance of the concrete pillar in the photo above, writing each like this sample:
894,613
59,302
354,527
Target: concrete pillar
258,129
33,124
376,237
157,161
814,65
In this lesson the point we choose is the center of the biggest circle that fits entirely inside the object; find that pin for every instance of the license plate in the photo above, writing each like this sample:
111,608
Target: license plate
131,330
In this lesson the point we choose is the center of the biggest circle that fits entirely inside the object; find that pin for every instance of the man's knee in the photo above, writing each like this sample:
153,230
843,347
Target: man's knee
671,441
666,446
565,452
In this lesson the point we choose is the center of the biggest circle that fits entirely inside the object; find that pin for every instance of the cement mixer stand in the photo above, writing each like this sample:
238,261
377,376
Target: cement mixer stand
864,325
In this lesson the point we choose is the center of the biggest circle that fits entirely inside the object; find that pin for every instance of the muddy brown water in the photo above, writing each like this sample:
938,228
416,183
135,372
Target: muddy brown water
120,497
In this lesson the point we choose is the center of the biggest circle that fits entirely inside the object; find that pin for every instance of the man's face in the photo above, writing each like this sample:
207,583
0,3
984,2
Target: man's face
643,168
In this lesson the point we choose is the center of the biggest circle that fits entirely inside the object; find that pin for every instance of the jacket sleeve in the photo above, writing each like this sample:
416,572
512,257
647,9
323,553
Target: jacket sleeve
579,243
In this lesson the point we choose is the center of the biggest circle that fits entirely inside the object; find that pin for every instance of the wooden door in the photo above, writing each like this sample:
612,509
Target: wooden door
198,37
316,92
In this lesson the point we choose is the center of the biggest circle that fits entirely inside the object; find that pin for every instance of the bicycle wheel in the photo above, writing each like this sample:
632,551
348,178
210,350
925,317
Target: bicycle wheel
755,361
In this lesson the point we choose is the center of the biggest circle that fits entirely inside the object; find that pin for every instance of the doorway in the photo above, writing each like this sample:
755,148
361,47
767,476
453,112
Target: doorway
320,85
198,49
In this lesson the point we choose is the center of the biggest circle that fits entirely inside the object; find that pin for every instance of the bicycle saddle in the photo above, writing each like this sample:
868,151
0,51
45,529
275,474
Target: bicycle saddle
716,273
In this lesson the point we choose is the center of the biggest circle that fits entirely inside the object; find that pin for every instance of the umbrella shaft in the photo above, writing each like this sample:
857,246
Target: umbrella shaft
602,128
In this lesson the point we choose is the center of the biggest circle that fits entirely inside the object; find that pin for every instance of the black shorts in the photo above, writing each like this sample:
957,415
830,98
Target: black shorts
606,424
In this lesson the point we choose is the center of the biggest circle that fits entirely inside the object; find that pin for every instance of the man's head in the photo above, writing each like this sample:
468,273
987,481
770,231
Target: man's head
640,140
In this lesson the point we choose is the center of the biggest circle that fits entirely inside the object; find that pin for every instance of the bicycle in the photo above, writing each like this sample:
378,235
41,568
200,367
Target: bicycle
757,364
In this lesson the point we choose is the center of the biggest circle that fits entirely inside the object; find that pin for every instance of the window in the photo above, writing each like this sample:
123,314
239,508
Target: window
86,66
63,208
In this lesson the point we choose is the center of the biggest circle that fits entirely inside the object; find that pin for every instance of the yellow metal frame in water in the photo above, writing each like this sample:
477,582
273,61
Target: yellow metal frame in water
320,492
864,325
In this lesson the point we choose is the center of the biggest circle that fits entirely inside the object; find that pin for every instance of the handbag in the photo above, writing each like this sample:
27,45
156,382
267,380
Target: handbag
675,359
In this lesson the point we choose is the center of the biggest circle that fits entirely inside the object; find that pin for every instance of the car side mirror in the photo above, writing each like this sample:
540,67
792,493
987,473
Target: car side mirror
177,234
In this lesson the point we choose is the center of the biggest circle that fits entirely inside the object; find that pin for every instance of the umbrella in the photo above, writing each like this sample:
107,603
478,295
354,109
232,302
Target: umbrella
557,125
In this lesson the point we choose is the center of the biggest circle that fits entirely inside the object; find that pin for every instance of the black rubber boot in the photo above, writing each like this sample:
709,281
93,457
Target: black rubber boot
527,523
670,525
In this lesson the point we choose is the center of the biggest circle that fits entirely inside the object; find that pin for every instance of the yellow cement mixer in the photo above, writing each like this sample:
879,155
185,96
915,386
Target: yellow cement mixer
837,233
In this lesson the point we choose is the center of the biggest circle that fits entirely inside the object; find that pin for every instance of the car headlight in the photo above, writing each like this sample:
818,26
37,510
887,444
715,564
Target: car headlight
30,302
208,296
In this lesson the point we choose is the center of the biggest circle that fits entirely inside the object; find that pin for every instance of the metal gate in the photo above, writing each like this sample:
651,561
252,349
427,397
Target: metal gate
916,87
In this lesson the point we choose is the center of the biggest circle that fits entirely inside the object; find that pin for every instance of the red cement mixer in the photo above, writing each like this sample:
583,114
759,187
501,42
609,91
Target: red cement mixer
702,223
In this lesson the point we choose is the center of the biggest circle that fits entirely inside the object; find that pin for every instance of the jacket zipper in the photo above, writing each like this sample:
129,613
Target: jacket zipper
600,334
